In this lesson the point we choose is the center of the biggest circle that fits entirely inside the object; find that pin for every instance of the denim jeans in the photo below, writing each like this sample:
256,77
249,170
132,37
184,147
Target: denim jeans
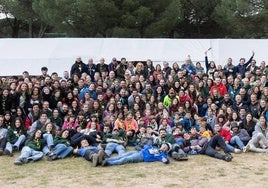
217,140
49,140
18,143
62,150
235,140
128,157
179,141
114,147
29,153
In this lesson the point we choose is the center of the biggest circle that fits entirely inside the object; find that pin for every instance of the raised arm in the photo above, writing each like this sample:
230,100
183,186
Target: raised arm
250,59
206,61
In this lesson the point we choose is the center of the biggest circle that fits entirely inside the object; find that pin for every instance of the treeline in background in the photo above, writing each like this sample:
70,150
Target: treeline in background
134,18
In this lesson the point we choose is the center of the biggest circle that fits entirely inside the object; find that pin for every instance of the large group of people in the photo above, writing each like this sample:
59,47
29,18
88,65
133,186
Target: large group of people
98,109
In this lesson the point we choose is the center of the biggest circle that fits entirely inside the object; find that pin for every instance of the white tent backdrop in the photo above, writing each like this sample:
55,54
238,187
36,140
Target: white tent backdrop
58,54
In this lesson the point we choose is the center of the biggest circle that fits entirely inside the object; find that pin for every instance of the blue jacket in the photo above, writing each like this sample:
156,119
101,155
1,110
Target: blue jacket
242,68
157,156
85,90
188,123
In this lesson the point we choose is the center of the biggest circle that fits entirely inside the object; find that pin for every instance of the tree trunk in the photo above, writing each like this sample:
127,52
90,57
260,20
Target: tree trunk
15,28
30,28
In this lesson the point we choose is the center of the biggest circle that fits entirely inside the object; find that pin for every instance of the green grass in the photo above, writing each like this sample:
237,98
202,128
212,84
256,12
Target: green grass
77,172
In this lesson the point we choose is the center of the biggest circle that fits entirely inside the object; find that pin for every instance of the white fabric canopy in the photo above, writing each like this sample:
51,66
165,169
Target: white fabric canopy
58,54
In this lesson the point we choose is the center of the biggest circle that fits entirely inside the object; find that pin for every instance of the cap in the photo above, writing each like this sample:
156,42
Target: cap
234,124
169,146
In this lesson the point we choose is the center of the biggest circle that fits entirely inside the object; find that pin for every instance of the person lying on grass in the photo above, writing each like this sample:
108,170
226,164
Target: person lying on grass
147,154
95,154
32,151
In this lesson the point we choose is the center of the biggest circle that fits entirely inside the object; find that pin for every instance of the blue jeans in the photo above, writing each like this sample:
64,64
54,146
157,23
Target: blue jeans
179,141
235,140
30,154
62,150
114,147
49,140
128,157
18,143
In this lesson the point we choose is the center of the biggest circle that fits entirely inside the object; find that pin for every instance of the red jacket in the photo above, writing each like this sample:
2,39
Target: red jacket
226,135
221,89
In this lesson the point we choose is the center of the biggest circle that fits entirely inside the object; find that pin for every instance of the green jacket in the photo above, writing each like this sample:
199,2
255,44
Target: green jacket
168,100
121,136
58,121
60,140
14,133
36,144
169,138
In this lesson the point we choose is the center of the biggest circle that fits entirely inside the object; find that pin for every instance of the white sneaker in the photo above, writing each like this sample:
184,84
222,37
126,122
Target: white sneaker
246,148
237,150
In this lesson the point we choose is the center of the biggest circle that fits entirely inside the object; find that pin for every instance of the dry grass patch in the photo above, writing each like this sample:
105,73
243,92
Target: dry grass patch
199,171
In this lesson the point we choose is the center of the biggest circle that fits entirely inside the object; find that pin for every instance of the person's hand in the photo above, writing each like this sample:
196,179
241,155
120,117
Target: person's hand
98,140
253,53
206,53
164,160
197,147
75,150
100,147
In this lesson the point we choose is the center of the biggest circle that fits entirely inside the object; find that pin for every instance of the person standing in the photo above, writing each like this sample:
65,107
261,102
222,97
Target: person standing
78,67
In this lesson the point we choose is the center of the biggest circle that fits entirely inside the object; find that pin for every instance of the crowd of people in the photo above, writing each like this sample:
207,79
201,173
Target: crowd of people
173,111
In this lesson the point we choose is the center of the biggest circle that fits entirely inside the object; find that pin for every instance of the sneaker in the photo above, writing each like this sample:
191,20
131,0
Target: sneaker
192,152
101,156
237,150
7,152
15,148
228,158
95,160
49,154
179,157
104,163
229,154
18,162
246,148
52,157
25,160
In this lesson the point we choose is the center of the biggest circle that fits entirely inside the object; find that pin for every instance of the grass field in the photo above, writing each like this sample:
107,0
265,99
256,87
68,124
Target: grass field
246,170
